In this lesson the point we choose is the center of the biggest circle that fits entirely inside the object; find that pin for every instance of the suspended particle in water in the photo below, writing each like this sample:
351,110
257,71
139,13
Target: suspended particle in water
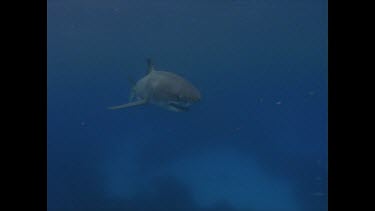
311,93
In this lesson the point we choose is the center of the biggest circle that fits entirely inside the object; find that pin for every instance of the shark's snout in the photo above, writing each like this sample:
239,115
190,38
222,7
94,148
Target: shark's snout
193,94
197,97
184,100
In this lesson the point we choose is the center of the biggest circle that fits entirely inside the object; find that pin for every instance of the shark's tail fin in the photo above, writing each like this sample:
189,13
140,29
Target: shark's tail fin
150,65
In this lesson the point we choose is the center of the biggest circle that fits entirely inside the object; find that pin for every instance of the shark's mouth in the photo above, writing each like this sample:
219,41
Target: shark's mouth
179,106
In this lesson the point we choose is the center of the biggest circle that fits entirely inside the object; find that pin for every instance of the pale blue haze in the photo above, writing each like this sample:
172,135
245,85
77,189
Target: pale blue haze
256,142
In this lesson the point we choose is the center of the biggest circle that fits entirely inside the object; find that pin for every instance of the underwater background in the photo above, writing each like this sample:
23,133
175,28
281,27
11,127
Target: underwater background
257,141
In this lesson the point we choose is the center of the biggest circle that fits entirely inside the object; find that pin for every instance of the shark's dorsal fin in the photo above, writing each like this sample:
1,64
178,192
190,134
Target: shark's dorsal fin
150,66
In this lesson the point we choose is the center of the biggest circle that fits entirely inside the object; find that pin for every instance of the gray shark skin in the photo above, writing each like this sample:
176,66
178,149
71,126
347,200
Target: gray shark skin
164,89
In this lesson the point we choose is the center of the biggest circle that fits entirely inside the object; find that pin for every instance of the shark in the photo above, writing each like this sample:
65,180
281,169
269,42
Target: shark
164,89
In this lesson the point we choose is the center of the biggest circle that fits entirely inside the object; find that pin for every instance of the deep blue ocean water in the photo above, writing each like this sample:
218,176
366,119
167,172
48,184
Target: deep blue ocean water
257,141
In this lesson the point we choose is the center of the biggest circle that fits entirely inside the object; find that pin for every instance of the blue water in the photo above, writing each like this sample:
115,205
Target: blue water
256,142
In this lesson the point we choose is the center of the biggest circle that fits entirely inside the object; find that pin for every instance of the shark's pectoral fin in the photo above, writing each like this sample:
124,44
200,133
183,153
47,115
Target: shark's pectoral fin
127,105
132,95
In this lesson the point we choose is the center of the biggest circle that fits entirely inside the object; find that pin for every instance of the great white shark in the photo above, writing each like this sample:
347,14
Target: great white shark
165,89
